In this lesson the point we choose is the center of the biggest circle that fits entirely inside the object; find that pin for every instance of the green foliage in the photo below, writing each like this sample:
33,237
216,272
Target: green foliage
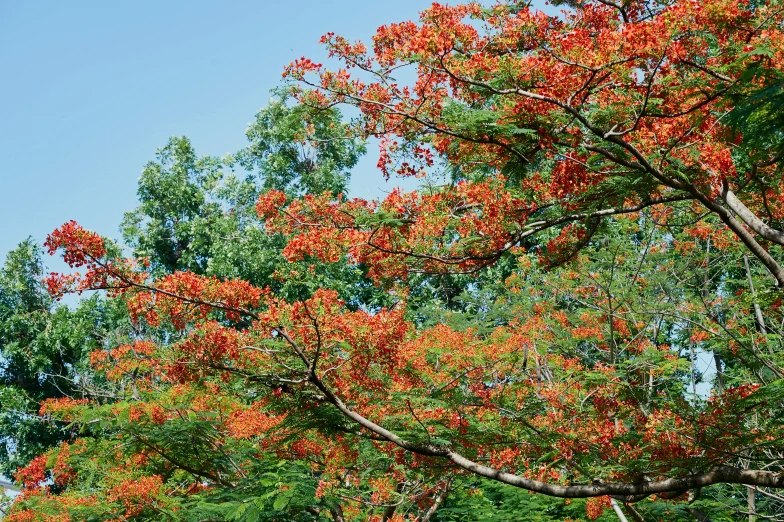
758,111
299,151
495,502
43,354
195,213
180,211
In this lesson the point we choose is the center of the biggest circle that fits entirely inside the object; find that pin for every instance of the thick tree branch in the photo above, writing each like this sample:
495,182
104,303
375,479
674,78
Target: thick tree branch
625,491
747,238
748,217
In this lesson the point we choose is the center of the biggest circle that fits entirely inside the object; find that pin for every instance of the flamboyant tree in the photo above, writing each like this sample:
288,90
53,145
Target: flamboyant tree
594,165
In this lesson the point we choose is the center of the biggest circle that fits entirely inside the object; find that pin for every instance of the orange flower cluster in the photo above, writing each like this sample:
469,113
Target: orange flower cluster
603,92
136,494
465,228
64,407
32,475
183,297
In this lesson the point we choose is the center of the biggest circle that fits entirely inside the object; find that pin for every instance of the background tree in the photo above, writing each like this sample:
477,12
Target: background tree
196,213
299,151
44,354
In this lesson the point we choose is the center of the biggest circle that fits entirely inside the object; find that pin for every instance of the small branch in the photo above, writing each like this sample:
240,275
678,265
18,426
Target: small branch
617,509
437,502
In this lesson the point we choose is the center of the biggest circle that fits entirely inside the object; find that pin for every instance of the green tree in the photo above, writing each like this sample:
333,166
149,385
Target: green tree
43,354
300,151
197,213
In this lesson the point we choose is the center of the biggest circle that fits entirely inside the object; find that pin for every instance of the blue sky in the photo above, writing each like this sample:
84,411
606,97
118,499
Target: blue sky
91,89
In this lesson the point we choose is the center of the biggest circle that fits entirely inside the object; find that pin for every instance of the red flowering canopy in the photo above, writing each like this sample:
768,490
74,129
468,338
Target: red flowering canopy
594,150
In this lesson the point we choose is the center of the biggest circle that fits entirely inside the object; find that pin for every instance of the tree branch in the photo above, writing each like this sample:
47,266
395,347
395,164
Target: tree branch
748,217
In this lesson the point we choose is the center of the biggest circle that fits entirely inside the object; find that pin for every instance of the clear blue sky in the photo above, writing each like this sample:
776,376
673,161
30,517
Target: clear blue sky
91,89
